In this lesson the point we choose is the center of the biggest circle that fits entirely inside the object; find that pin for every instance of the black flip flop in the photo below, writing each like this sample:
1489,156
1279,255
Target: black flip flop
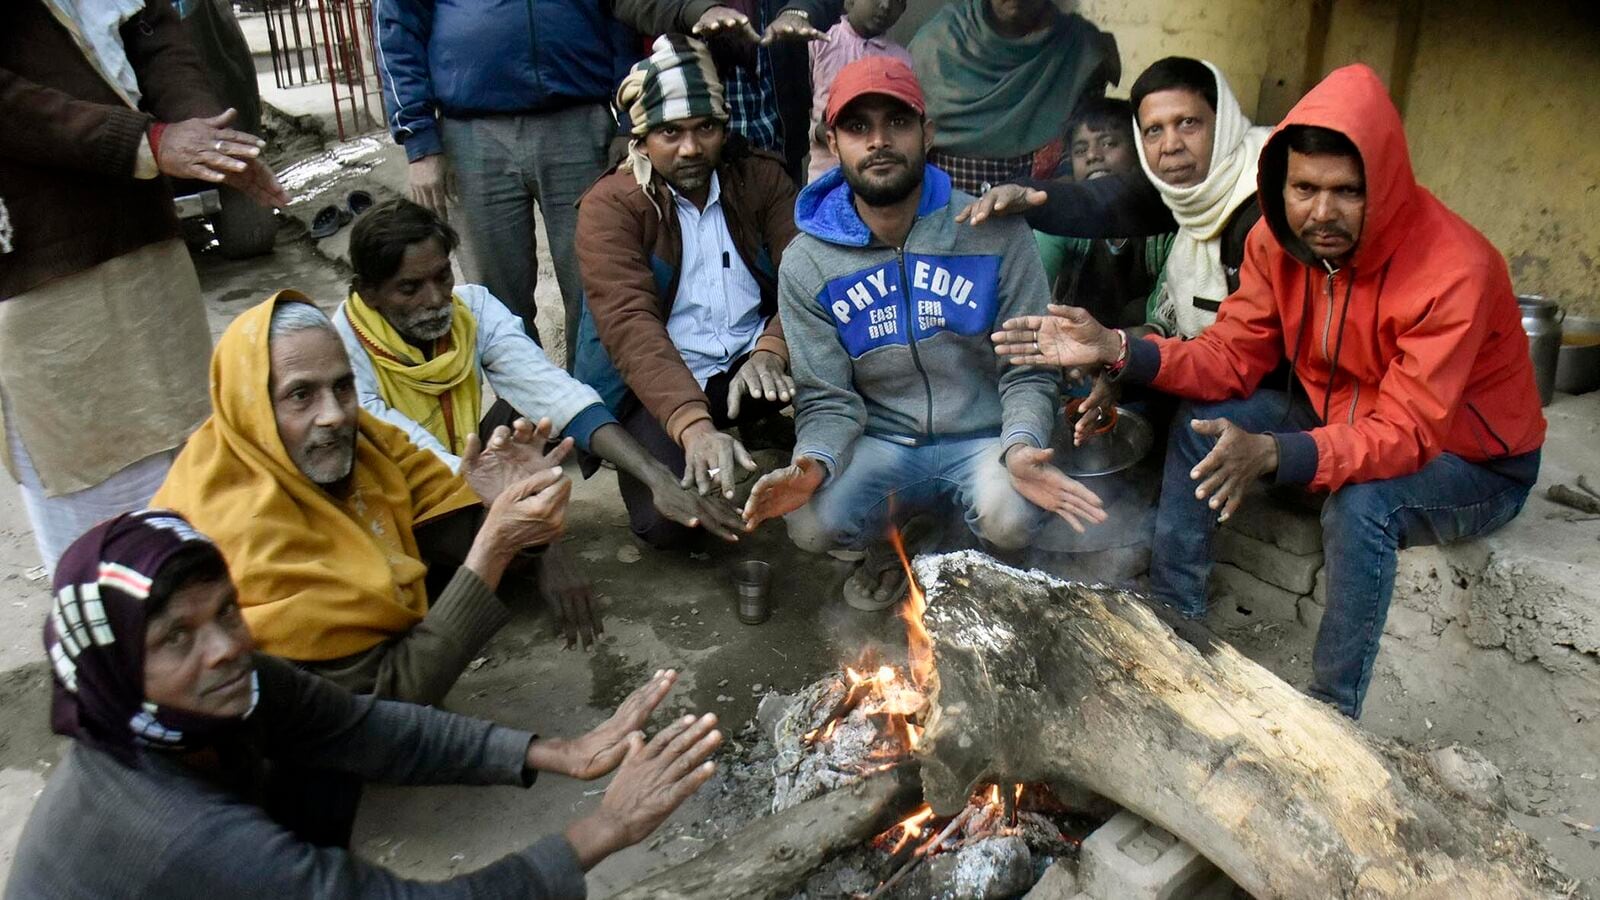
358,202
328,221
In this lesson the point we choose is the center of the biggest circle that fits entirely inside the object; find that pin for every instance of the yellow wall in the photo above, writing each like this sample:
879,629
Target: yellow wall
1502,106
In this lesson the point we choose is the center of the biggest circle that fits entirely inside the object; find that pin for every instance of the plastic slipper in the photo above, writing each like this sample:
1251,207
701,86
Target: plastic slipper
358,202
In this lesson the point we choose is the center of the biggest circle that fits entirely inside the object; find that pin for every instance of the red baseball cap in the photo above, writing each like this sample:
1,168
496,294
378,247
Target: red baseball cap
884,75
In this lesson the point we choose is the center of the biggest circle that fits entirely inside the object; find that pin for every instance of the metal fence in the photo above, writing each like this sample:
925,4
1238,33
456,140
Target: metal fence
328,42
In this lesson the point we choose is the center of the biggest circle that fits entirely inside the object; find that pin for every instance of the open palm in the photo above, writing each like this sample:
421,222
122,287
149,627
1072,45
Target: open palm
512,455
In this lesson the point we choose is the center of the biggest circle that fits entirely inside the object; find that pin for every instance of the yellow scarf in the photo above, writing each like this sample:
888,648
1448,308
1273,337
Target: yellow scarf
440,394
319,577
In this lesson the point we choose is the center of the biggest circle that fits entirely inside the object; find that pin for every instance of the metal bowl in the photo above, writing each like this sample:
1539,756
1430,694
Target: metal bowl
1107,452
1578,361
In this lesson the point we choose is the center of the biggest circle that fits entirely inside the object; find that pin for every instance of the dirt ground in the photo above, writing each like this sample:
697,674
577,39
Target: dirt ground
677,610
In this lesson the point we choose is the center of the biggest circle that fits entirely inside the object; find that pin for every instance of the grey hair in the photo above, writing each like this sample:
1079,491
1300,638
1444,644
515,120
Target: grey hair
289,317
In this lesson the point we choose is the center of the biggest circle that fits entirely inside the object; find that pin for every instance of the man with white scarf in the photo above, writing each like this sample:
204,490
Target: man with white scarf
1199,175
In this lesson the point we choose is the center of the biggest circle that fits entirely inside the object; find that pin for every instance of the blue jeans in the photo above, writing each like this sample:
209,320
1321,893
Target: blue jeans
1363,527
852,510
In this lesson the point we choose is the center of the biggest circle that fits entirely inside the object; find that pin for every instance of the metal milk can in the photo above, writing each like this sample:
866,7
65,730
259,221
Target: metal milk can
1541,319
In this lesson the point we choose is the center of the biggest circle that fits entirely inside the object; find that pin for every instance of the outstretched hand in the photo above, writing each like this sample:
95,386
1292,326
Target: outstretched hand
1002,200
782,491
1049,488
602,750
709,458
683,505
512,454
1236,462
1069,336
653,780
764,376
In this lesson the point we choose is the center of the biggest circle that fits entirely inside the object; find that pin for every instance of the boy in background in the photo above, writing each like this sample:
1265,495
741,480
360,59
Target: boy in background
860,33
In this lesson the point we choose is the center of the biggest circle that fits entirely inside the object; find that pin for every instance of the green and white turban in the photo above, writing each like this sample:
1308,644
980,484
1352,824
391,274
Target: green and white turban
676,81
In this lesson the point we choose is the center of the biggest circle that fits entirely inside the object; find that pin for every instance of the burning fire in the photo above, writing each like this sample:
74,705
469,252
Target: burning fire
919,644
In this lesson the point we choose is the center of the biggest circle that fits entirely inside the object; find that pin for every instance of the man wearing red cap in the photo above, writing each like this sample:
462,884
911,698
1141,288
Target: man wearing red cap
886,302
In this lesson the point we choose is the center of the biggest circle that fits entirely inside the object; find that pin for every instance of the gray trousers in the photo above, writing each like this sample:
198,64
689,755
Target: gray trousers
503,166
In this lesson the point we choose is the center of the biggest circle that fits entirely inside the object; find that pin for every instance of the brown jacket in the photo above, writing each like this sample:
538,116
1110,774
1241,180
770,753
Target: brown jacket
624,245
68,143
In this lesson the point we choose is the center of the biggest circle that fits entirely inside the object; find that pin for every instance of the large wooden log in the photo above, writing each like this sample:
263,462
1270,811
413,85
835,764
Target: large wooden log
1038,680
773,856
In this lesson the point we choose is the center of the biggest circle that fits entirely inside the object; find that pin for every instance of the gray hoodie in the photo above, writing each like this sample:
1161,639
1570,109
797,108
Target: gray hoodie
895,343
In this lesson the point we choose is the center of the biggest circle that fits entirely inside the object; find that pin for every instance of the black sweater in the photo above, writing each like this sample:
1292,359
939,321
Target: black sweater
162,829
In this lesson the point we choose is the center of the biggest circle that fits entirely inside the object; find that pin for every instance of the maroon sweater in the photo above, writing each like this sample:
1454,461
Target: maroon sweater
68,143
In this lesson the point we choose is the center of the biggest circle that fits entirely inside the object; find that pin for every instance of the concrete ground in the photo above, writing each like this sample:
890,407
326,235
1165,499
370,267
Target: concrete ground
1537,724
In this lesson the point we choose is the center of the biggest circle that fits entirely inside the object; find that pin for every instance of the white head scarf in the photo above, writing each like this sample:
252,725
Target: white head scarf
1194,266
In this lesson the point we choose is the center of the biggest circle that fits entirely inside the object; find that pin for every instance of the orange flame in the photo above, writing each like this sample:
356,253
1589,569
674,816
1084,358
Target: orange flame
919,644
911,826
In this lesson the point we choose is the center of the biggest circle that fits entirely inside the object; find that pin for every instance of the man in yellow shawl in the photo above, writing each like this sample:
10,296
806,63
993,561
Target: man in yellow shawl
344,538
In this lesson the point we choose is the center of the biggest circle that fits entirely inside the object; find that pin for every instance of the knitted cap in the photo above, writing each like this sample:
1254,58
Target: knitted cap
676,81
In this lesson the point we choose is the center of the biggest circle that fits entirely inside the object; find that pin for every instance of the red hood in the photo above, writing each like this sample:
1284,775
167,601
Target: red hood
1354,102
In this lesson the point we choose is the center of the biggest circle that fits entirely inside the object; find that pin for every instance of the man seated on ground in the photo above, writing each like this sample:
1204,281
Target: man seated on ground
357,554
900,400
423,347
1415,407
1199,177
679,251
170,787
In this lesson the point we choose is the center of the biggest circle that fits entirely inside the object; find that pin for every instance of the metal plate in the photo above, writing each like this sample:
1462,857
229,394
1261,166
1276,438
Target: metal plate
1125,444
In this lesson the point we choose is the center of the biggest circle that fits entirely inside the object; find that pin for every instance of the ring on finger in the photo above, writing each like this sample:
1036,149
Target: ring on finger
219,145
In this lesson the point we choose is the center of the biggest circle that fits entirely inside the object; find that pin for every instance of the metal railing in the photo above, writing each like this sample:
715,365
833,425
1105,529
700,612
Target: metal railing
328,41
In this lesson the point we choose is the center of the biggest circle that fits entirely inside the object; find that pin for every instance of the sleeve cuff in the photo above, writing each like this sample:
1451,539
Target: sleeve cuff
1297,457
422,143
830,465
774,344
1144,363
557,868
588,420
684,416
1019,436
508,754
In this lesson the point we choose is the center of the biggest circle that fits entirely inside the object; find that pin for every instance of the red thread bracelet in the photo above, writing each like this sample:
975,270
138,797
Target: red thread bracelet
155,140
1122,353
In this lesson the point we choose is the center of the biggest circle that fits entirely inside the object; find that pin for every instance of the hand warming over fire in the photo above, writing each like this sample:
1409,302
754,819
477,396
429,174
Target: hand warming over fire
601,750
1049,488
1237,460
653,780
1068,337
782,491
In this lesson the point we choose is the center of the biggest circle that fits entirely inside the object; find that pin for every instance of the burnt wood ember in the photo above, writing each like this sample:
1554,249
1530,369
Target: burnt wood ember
1082,688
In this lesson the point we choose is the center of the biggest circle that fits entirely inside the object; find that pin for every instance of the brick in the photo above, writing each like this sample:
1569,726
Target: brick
1311,614
1269,562
1060,882
1242,598
1298,531
1131,859
1424,581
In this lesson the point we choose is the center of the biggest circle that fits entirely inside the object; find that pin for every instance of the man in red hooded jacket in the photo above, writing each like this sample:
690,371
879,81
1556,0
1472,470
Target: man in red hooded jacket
1412,401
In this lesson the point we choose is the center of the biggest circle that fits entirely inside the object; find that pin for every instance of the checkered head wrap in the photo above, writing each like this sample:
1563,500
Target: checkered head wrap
676,81
95,633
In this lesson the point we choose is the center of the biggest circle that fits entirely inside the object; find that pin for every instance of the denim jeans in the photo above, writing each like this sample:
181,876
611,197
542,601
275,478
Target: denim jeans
1363,527
853,509
503,165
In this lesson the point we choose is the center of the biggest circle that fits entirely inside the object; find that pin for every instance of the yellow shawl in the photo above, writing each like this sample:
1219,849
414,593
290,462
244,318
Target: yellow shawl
318,577
441,394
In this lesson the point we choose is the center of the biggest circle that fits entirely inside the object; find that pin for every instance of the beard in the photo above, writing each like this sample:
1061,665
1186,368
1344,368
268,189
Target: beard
889,187
426,326
688,179
327,455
